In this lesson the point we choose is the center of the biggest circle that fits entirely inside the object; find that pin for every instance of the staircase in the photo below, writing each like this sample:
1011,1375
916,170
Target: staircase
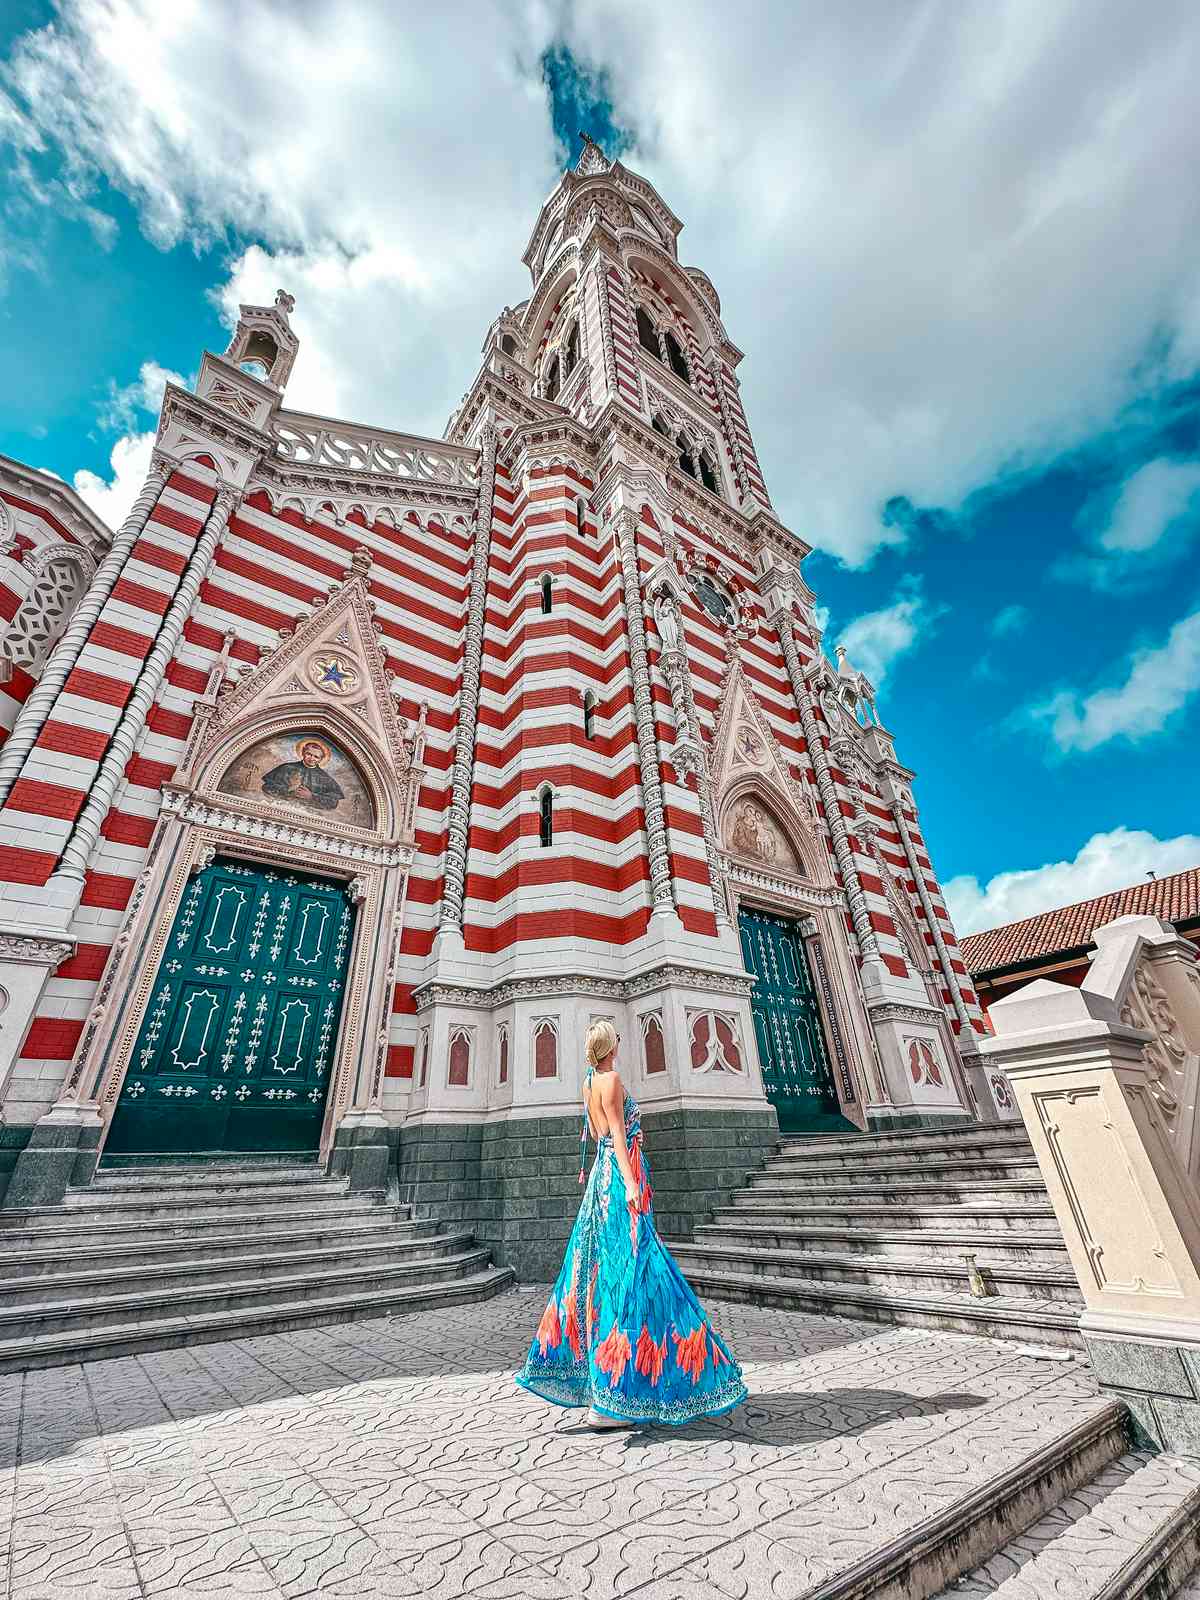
1132,1531
160,1256
878,1225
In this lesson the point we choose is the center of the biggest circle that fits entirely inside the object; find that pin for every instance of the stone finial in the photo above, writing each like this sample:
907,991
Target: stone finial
284,302
591,157
845,670
360,562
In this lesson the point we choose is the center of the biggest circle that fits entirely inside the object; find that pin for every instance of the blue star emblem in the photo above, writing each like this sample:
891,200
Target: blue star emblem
333,674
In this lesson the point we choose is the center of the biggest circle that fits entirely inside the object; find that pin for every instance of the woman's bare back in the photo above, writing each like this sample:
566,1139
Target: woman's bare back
604,1092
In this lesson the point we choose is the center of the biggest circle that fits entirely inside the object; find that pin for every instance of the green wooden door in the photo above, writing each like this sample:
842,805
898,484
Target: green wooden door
236,1046
787,1022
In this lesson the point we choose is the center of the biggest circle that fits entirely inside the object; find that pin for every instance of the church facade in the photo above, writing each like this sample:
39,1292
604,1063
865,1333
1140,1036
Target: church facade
356,774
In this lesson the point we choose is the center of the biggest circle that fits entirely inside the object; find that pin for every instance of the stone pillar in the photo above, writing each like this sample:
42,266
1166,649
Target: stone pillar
454,876
867,943
661,890
73,864
66,652
687,753
1092,1090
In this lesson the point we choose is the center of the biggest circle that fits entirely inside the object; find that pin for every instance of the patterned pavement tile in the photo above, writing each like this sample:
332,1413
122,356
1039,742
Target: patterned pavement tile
395,1458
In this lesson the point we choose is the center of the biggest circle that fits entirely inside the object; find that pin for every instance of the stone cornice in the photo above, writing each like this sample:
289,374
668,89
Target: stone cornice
61,501
305,841
35,950
566,985
182,406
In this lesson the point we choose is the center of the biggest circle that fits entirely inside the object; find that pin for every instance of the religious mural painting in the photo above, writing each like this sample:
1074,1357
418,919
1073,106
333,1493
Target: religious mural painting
307,772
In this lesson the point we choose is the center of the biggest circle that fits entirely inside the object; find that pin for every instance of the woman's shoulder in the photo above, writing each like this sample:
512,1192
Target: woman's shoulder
609,1085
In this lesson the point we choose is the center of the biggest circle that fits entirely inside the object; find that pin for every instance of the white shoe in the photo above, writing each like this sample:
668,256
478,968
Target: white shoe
597,1420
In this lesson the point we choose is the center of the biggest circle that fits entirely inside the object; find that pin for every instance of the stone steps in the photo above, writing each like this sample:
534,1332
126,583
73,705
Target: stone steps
169,1333
64,1256
946,1276
815,1174
878,1226
998,1316
1133,1531
148,1259
31,1289
924,1558
1039,1249
984,1218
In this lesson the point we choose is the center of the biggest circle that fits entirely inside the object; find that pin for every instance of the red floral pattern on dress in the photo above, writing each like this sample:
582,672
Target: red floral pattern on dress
571,1311
650,1356
691,1352
612,1356
549,1330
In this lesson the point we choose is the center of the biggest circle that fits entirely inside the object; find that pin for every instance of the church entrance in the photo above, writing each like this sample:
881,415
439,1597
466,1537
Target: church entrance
235,1049
796,1073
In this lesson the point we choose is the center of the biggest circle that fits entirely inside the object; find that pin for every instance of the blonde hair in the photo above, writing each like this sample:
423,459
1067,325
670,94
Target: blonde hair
600,1042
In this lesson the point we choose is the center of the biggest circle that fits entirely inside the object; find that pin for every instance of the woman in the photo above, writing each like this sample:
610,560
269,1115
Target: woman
622,1332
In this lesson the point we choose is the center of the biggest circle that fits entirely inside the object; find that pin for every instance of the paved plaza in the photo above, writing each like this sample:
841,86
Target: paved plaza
396,1458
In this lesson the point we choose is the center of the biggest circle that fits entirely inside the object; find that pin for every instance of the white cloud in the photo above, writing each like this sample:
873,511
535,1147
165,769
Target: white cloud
145,393
1159,681
876,640
947,236
1131,531
111,498
1010,620
1107,861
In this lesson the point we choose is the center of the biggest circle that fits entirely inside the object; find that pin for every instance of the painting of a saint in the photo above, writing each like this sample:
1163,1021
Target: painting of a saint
751,832
305,770
305,781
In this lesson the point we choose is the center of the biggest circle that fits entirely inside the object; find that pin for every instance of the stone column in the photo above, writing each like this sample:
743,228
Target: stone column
73,864
454,878
687,753
66,652
1090,1090
865,934
661,890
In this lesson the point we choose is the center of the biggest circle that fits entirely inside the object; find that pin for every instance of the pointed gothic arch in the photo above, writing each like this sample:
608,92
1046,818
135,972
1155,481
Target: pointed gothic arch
759,824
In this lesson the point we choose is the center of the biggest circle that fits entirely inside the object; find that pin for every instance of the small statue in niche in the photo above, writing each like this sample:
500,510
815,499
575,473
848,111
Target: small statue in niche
666,620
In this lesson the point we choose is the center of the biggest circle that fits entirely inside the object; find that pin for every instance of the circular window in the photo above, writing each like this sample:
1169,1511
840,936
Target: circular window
714,600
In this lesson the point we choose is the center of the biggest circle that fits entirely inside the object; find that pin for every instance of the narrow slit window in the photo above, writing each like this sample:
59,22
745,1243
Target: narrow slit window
547,595
589,715
686,460
571,355
659,426
707,476
552,380
546,818
581,516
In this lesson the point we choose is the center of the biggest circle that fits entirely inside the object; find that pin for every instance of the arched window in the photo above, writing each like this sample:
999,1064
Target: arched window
707,476
571,352
659,426
589,715
686,461
546,817
547,595
676,358
552,380
581,515
647,333
508,344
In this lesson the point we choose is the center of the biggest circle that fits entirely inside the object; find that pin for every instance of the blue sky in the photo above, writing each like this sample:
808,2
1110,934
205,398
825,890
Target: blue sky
958,250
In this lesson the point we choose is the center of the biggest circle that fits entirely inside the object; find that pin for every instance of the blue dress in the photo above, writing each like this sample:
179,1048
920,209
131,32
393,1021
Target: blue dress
622,1330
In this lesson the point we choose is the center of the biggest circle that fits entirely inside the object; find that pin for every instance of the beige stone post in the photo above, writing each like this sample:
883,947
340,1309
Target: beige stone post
1105,1077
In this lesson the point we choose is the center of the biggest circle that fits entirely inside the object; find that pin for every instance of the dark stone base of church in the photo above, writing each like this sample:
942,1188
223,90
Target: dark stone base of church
918,1122
1159,1382
45,1161
12,1141
515,1184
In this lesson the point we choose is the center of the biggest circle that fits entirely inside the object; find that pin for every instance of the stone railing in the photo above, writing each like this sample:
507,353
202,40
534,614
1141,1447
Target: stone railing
319,442
1106,1079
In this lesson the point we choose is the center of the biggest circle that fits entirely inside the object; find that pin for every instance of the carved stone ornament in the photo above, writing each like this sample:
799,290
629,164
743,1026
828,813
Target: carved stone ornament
29,950
571,985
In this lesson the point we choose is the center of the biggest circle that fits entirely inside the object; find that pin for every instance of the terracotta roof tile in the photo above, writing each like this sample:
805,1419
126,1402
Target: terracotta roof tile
1070,927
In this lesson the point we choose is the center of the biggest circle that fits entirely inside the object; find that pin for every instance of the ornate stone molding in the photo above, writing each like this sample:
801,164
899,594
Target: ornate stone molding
890,1011
455,869
805,895
29,949
867,942
207,814
585,984
661,890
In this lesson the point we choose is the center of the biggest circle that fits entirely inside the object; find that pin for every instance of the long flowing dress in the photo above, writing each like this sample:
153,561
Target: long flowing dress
623,1331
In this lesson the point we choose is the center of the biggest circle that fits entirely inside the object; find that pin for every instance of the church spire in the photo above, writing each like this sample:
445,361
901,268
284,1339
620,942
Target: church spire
591,158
